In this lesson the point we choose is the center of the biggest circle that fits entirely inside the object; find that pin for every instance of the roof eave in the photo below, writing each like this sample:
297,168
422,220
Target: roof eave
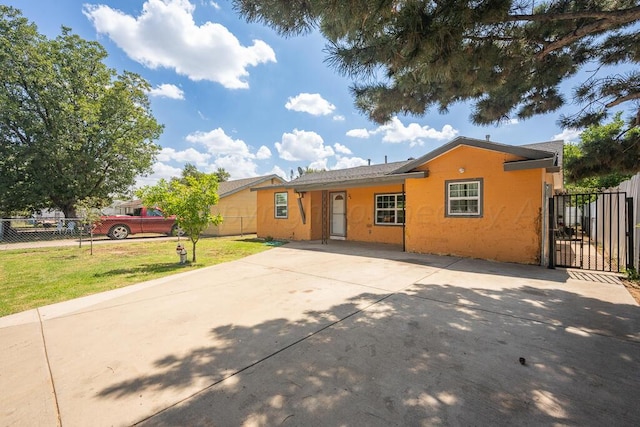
359,182
250,185
530,164
271,187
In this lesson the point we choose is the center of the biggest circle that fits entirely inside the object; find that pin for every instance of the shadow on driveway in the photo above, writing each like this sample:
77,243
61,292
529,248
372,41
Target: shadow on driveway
434,355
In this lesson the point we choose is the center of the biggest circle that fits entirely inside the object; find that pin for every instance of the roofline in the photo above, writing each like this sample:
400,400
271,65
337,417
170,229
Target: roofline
346,183
360,182
519,165
271,187
251,184
516,150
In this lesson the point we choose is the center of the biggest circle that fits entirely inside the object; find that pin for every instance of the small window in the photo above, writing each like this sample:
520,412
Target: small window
464,198
389,209
281,205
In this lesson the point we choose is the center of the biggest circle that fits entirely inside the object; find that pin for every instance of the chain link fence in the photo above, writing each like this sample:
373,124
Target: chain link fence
27,230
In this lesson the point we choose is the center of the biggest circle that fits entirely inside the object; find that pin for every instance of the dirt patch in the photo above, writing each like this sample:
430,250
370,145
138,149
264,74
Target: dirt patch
633,286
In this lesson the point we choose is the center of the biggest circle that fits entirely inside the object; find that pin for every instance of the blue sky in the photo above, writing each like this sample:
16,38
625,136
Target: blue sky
238,96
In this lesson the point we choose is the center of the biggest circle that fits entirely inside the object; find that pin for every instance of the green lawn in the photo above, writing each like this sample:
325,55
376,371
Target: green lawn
32,278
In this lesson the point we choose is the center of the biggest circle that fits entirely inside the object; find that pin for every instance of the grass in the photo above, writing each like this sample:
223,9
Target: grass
31,278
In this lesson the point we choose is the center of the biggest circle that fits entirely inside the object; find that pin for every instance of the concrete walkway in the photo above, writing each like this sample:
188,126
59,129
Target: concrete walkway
339,334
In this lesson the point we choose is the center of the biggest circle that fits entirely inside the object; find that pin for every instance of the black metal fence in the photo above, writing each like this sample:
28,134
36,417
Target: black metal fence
592,231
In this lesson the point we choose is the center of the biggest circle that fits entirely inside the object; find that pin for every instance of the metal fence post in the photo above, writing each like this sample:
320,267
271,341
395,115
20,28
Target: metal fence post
552,236
629,230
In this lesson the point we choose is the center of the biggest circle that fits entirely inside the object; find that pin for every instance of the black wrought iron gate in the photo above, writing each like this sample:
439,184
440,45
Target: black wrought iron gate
591,231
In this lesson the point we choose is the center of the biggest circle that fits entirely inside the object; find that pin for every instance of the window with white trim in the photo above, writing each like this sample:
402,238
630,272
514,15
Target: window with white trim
281,209
464,198
389,209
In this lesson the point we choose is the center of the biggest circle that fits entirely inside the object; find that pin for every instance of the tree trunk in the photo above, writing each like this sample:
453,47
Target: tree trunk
69,211
193,248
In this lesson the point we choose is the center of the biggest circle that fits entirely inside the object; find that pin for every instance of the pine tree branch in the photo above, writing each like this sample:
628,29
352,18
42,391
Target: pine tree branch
614,16
611,20
622,99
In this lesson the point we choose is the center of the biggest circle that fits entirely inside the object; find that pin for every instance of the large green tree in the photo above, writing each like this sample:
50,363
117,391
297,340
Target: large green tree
70,127
189,198
606,155
505,57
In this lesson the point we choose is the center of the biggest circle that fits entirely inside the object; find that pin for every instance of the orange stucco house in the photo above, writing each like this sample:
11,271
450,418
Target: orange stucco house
238,205
469,197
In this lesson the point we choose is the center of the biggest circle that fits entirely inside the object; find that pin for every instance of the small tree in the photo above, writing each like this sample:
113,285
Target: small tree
189,199
88,210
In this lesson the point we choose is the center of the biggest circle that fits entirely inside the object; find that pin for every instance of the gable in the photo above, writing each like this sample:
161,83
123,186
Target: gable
516,157
227,188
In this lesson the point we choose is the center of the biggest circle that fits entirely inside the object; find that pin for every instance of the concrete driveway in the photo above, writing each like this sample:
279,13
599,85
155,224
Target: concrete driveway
333,335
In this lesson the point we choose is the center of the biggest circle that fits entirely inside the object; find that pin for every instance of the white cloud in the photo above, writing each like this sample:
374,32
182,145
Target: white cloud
358,133
341,148
189,155
263,153
215,5
395,132
513,122
349,162
238,166
319,165
569,135
160,170
165,35
338,118
229,153
303,145
311,103
167,91
219,143
278,171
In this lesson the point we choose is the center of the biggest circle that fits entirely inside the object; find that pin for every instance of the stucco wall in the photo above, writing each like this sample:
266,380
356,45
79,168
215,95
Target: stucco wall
290,228
361,225
360,216
239,213
509,229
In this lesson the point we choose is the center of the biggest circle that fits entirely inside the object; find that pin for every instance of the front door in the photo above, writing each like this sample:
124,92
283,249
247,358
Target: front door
338,216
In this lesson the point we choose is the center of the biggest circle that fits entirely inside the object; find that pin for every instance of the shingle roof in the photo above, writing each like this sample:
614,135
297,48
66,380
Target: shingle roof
556,147
228,188
518,150
359,172
541,154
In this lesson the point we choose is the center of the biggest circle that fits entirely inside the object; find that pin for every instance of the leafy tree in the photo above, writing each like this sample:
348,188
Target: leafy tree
70,127
506,57
88,210
222,175
607,155
191,170
189,199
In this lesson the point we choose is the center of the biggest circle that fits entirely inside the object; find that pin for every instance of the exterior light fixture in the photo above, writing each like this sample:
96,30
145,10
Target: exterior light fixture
461,170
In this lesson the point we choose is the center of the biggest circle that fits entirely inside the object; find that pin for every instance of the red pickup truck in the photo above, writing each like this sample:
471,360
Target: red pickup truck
143,220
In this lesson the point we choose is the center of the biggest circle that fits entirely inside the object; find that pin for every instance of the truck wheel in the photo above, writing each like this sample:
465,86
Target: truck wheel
119,232
176,231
